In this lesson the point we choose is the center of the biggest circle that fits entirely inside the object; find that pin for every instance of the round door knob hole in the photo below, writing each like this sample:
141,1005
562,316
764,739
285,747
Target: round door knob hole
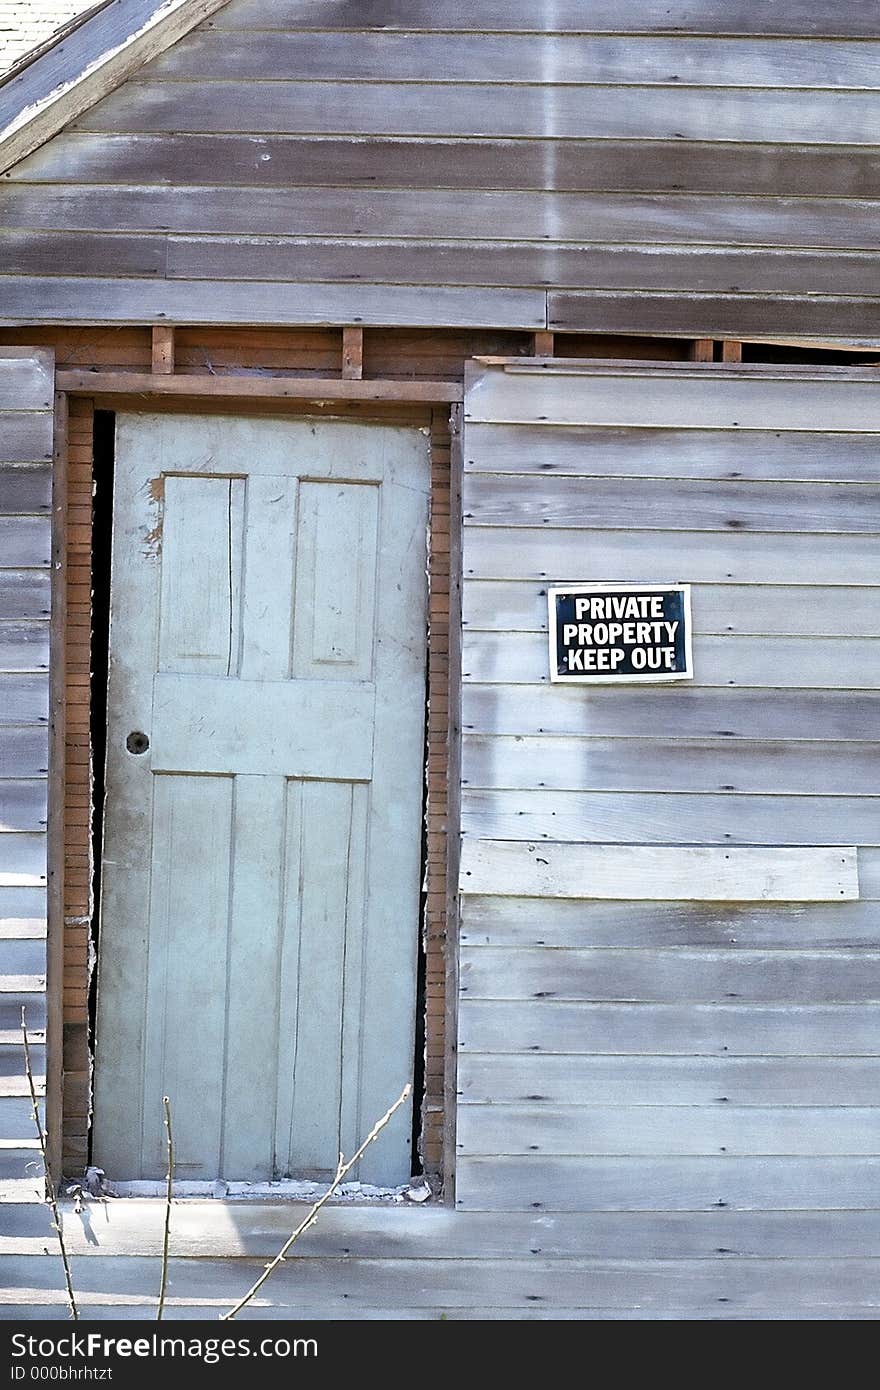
137,743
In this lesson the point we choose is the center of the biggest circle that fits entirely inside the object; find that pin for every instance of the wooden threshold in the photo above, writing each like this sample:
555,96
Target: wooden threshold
257,388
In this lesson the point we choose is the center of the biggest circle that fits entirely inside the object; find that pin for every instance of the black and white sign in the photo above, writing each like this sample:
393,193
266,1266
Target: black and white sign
620,633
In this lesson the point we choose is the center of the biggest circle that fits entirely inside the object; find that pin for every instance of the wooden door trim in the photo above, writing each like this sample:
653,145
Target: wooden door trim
128,390
129,385
56,806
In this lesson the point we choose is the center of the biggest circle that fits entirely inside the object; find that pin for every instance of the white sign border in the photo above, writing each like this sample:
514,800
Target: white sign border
650,677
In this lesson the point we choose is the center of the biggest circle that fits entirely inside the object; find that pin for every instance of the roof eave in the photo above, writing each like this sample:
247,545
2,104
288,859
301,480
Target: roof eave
71,76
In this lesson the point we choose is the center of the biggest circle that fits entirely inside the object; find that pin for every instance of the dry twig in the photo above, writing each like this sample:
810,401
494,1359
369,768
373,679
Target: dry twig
342,1168
51,1196
163,1283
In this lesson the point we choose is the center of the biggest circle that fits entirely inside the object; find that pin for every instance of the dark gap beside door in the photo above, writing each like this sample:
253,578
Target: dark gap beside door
102,531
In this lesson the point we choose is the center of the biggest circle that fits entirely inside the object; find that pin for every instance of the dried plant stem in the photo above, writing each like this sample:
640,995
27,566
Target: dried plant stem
342,1168
51,1196
169,1137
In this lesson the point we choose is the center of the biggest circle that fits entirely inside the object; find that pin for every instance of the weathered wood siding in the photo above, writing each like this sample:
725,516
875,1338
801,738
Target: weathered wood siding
26,429
688,1054
592,167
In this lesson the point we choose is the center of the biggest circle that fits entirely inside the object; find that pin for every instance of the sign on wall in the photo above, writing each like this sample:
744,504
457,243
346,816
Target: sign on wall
613,633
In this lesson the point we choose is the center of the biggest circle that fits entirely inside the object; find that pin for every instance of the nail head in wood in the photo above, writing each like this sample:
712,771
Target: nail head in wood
163,349
352,353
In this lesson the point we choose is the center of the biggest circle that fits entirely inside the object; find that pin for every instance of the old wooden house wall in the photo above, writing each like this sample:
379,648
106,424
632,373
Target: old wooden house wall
618,1053
26,447
595,167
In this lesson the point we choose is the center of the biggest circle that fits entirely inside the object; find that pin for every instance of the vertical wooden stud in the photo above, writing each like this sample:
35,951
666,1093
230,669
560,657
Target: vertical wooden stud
731,350
701,350
163,349
542,344
353,353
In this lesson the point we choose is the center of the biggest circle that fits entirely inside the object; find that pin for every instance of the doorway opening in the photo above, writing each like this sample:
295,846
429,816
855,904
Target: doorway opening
102,528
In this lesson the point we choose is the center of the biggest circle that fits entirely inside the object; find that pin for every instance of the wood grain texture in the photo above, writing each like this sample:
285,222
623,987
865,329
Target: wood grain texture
515,59
685,1184
784,662
668,976
664,504
668,818
354,1287
450,213
203,1229
513,1027
657,1130
112,301
730,399
567,166
661,764
716,317
681,711
554,555
632,924
585,451
734,609
559,1079
23,594
441,110
799,17
659,872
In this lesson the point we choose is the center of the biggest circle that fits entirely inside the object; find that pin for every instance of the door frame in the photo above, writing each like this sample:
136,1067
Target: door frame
407,403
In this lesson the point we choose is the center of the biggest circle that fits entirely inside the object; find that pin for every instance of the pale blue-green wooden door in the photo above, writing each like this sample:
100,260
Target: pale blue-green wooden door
261,864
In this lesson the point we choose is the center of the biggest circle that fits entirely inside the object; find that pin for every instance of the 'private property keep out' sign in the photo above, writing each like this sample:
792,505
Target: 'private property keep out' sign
613,633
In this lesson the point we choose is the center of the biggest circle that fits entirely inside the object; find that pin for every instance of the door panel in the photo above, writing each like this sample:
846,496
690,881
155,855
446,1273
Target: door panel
260,898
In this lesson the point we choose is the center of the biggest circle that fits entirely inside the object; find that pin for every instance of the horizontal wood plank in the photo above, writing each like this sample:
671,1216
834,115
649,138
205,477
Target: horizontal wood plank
203,1229
738,17
23,646
23,594
658,872
664,504
560,1079
346,1286
782,662
830,274
512,59
680,711
438,109
633,924
721,316
567,166
727,455
661,764
24,542
26,382
545,1027
25,489
670,976
25,437
448,214
642,1184
22,859
701,399
23,699
683,819
657,1130
735,609
62,299
23,803
556,554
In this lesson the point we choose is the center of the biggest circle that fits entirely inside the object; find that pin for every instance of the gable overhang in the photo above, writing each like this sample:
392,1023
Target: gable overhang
85,65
